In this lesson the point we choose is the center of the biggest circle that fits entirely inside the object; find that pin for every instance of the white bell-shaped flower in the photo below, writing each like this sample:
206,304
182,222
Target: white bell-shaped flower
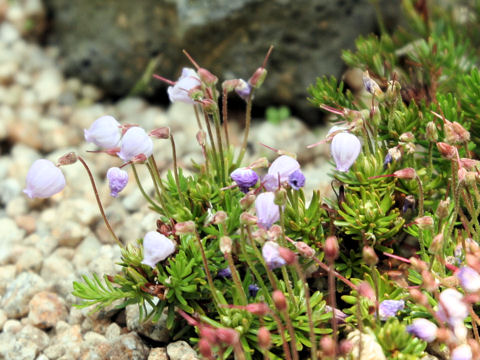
135,142
156,248
104,132
44,179
180,91
280,170
345,149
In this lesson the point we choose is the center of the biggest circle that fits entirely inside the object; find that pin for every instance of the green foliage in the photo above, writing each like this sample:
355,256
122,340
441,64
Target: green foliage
276,115
397,343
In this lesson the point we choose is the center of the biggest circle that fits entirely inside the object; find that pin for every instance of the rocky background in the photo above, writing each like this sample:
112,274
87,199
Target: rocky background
45,245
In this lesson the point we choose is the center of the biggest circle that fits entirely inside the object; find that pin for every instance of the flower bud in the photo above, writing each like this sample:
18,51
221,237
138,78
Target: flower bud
418,264
253,290
243,89
431,132
267,211
258,77
185,228
205,349
245,178
220,217
180,91
423,329
208,333
247,201
67,159
328,346
247,219
304,249
448,151
44,179
161,133
280,197
135,142
275,232
345,149
271,255
225,244
469,164
469,279
227,336
429,282
364,289
462,175
156,248
209,105
462,134
424,222
419,297
370,85
201,137
207,77
279,300
369,256
443,209
288,255
437,244
264,338
259,163
104,132
345,347
117,180
407,174
259,309
407,137
331,248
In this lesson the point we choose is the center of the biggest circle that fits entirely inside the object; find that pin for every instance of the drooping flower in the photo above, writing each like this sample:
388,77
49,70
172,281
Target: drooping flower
280,170
462,352
243,89
156,248
104,132
423,329
117,180
180,91
451,307
272,256
253,290
245,178
135,142
389,308
469,279
296,179
44,179
267,211
345,149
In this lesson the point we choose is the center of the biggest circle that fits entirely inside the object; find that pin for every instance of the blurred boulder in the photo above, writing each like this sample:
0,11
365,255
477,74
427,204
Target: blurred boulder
110,43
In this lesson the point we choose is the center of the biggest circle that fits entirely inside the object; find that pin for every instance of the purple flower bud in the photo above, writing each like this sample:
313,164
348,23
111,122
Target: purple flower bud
267,211
345,149
387,161
44,179
389,308
156,248
451,307
340,316
253,290
224,273
104,132
461,352
245,178
180,91
469,279
117,180
423,329
272,256
296,179
135,142
280,169
243,89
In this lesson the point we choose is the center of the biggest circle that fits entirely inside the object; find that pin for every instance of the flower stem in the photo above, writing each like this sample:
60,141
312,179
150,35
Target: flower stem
175,168
99,203
248,118
236,278
225,116
142,190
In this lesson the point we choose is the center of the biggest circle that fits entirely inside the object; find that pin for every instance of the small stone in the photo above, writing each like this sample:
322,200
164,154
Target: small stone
71,233
158,354
29,260
46,309
10,235
86,252
19,293
3,319
37,336
7,274
180,350
48,85
113,331
56,268
12,326
9,189
26,222
156,331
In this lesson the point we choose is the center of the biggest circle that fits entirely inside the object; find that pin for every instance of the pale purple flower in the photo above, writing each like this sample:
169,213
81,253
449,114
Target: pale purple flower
267,211
180,91
117,180
224,273
461,352
340,316
44,179
423,329
135,142
156,248
243,89
451,307
245,178
345,149
280,170
104,132
469,279
296,179
253,290
272,256
389,308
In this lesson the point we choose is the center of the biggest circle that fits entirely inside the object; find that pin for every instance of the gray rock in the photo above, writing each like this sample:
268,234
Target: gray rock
156,331
66,342
158,354
3,319
19,293
7,274
30,259
180,350
124,347
46,309
10,235
230,38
